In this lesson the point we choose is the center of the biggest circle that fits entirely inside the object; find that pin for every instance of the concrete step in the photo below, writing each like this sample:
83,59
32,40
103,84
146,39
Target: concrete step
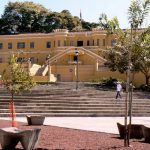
121,114
64,100
103,111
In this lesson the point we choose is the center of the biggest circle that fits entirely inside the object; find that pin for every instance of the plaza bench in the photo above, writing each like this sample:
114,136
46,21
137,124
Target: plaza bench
136,131
35,120
10,137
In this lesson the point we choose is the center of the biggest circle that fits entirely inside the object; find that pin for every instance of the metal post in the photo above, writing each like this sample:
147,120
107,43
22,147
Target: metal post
29,64
77,68
49,72
77,72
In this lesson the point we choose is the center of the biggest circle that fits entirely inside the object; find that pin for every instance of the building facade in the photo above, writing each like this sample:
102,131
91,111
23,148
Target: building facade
60,55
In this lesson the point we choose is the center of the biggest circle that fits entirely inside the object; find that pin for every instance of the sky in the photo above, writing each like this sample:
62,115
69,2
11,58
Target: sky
90,9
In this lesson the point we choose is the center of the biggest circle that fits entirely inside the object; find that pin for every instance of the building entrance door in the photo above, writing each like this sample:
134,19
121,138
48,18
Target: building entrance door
58,77
80,43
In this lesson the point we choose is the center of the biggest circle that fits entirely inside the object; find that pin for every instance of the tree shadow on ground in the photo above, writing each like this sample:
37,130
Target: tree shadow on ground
112,147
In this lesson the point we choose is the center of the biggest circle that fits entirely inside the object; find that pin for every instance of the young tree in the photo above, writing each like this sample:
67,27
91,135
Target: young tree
138,11
16,80
118,57
135,47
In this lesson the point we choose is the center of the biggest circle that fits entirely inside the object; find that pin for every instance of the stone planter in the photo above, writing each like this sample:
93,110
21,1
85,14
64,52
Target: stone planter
10,137
146,133
35,120
136,131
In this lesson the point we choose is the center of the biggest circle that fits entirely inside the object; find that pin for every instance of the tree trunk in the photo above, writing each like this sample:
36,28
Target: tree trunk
147,80
130,110
12,109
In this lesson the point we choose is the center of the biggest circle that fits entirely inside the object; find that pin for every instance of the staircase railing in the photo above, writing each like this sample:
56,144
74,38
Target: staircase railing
89,52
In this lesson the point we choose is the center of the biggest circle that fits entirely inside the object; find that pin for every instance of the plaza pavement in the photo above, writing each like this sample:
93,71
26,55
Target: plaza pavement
98,124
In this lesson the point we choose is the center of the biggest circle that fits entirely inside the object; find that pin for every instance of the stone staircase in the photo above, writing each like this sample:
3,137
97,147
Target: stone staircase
34,69
62,99
42,70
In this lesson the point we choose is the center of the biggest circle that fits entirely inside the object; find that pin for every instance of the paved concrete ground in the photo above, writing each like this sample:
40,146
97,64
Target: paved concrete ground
99,124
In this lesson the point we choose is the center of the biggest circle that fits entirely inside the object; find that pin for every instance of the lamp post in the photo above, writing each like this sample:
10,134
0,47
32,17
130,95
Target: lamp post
29,64
77,67
49,71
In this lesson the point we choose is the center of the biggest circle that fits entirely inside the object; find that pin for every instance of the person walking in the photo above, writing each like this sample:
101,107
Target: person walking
119,89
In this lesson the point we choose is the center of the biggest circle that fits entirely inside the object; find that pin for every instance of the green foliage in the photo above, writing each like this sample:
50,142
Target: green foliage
23,17
145,87
137,12
132,46
53,21
108,82
16,79
109,25
117,61
117,57
141,53
88,26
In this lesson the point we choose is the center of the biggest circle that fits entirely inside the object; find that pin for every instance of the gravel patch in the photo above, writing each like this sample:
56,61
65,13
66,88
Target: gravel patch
58,138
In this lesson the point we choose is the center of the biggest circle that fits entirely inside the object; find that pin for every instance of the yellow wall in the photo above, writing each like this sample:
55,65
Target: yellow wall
61,40
3,66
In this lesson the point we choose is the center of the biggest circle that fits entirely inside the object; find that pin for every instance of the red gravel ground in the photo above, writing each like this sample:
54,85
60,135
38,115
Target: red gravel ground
57,138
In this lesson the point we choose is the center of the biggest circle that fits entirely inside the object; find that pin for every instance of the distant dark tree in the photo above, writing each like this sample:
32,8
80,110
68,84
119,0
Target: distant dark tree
24,16
53,21
68,21
88,25
63,20
4,28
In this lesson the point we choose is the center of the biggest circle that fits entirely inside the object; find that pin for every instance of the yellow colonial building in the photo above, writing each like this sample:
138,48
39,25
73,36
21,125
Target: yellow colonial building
60,55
